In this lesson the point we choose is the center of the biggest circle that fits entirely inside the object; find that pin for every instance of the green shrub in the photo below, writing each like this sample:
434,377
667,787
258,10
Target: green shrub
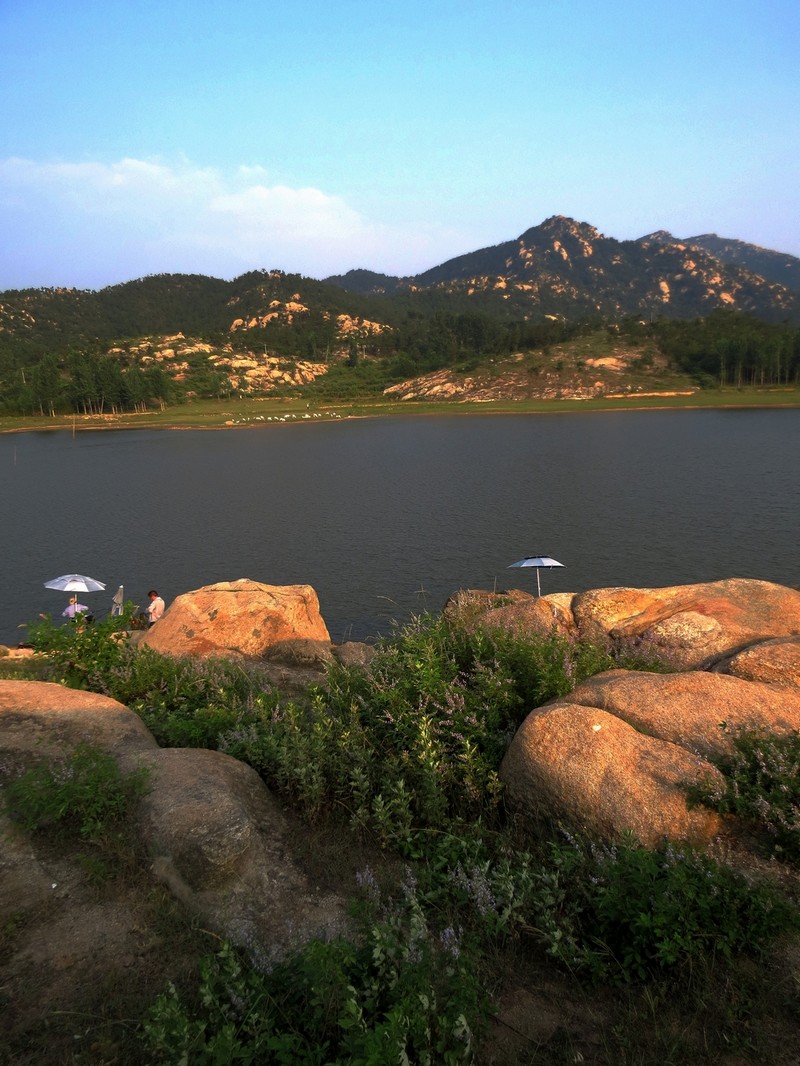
398,991
762,786
82,654
83,794
414,743
639,913
184,702
187,702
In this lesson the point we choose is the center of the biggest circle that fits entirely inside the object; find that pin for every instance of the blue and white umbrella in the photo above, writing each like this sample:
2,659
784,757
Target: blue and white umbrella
540,562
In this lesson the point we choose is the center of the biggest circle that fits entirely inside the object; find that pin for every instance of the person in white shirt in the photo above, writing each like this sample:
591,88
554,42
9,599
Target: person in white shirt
156,608
73,608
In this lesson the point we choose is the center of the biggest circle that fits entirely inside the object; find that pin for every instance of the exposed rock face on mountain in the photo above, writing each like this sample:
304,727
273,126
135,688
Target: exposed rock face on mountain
563,267
246,371
570,377
778,267
237,618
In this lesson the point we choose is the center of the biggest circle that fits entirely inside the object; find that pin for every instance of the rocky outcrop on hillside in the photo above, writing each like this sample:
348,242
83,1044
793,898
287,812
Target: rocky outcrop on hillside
248,372
598,365
566,267
559,380
778,267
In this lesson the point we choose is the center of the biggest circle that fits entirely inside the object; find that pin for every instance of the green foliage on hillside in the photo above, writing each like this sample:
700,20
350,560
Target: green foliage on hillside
83,795
730,349
64,351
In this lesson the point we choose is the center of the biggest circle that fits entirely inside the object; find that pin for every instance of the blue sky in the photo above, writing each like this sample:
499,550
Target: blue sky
161,135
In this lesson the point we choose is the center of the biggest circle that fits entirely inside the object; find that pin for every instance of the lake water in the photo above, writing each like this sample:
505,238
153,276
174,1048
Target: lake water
387,517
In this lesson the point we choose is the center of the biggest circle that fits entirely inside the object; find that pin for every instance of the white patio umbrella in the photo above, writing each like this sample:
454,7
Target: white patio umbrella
540,562
75,583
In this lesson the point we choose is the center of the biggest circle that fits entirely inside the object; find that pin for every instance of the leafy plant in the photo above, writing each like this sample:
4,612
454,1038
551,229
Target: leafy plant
83,794
638,913
82,653
761,785
397,991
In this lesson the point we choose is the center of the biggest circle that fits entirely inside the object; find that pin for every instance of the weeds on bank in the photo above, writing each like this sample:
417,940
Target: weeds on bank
408,751
184,702
398,989
761,784
84,795
81,653
405,985
415,742
637,913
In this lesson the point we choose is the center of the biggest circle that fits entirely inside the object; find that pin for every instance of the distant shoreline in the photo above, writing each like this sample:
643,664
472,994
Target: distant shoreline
262,412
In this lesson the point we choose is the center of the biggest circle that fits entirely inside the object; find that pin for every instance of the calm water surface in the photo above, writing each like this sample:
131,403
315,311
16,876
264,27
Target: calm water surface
387,517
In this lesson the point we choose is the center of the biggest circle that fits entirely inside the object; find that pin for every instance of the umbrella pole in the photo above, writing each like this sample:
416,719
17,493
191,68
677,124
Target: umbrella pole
538,583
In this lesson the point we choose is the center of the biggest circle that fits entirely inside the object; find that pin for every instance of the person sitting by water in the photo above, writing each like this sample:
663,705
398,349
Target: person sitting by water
73,608
156,608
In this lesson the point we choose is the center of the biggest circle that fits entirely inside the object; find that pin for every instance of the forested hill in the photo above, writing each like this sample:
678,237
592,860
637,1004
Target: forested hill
561,311
38,321
560,268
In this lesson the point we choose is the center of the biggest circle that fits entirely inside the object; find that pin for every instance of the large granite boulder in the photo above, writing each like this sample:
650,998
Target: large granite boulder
237,618
603,775
694,625
690,708
215,835
41,720
224,847
691,626
617,752
775,660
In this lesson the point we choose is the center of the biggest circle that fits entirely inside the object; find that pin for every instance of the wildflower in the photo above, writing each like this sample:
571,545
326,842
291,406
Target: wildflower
409,885
450,941
365,879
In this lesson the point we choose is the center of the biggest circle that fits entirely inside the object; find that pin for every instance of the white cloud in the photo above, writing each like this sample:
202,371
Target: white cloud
92,224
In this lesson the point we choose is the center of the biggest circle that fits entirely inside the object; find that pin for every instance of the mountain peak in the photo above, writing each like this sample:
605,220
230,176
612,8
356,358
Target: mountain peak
659,236
560,226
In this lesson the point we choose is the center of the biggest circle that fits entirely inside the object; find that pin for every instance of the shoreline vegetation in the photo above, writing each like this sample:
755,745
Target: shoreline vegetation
266,411
474,937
